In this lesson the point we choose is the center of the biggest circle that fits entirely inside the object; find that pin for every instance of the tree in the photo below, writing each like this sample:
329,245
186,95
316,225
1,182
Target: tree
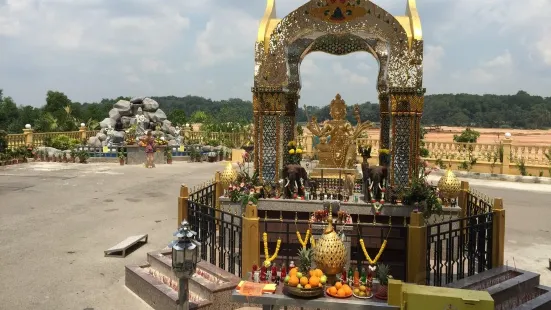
177,117
199,117
467,136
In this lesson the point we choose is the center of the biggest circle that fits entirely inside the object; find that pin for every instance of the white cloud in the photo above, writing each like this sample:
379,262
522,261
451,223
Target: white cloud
228,35
432,59
497,69
348,75
88,25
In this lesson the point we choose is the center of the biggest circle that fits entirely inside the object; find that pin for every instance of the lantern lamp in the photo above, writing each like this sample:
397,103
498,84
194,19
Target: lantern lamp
185,256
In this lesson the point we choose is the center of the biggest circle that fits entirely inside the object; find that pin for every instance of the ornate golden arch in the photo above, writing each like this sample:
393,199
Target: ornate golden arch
396,43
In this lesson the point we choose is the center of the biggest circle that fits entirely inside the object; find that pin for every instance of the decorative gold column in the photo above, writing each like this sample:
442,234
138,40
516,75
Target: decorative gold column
274,122
406,109
384,135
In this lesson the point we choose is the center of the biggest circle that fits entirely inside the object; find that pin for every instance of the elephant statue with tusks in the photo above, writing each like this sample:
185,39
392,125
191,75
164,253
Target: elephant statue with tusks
296,178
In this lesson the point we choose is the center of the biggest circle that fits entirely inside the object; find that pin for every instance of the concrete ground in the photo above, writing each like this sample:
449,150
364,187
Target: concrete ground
57,219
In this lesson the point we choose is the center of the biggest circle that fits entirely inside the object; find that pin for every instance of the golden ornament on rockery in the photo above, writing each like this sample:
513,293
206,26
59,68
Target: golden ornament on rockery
329,252
449,185
228,176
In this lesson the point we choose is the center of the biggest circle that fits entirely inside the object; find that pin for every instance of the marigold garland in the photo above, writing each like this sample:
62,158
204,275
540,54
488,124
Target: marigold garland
306,238
269,258
367,257
313,241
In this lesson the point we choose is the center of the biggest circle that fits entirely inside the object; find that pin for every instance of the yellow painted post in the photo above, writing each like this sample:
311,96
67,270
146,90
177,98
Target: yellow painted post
507,142
498,236
417,249
82,130
28,133
183,204
250,237
463,196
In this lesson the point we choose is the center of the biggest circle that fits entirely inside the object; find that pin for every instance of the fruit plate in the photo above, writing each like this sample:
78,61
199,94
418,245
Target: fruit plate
303,292
337,296
364,297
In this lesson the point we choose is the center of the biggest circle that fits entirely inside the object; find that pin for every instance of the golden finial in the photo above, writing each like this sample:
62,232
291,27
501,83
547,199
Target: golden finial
329,228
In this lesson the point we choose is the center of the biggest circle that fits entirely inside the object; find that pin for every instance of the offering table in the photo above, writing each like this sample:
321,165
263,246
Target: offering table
278,300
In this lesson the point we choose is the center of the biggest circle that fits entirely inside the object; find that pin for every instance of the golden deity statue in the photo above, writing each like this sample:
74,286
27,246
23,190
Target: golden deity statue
337,147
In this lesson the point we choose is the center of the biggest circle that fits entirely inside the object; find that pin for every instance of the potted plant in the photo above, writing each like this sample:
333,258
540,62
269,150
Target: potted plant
121,156
73,154
82,156
382,274
168,153
64,157
212,156
384,157
220,155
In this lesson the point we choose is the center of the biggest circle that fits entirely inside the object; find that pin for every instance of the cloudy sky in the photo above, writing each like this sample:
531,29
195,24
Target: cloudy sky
93,49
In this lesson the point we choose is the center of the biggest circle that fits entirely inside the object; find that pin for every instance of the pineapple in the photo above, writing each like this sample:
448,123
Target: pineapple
382,274
305,260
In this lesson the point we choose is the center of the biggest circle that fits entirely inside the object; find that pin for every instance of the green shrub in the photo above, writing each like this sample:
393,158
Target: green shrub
61,142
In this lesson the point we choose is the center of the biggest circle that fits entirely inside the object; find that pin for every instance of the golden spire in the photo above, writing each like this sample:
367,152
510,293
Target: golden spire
329,228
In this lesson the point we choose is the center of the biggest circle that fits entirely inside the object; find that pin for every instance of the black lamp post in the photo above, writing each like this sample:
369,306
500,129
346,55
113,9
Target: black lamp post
185,256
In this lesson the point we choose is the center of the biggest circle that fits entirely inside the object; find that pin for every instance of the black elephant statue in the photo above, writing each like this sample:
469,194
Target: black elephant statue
373,177
295,178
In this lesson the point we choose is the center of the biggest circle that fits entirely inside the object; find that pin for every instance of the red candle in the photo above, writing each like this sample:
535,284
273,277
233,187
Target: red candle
343,275
274,271
283,272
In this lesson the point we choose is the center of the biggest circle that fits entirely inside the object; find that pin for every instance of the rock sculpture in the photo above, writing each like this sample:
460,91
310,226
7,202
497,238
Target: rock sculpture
140,111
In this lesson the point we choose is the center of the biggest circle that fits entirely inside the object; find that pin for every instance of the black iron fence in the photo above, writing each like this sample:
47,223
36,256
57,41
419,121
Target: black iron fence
218,231
460,247
394,255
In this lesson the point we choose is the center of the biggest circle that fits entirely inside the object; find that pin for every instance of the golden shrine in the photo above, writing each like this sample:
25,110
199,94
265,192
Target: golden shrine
337,147
339,28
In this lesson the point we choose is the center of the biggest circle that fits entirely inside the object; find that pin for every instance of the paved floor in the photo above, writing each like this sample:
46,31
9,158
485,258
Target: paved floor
57,219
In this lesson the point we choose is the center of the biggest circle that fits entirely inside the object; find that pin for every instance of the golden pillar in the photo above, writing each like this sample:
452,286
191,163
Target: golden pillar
384,135
274,124
416,250
250,237
406,109
498,230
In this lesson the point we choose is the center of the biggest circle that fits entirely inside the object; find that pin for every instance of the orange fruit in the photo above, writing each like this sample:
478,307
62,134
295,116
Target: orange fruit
319,273
341,293
308,286
332,290
293,272
293,281
303,281
338,285
311,273
347,290
345,286
314,281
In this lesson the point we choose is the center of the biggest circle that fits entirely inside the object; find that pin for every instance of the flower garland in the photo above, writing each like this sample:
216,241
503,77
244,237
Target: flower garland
367,257
312,241
306,238
269,258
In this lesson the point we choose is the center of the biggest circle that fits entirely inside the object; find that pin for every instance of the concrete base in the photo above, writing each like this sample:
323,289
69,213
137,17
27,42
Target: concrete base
136,155
211,287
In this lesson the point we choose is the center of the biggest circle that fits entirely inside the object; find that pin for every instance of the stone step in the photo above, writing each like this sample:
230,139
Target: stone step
541,302
509,287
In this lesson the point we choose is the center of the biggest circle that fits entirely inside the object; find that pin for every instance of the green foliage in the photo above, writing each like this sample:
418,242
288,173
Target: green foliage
61,142
82,156
424,196
521,166
177,117
467,136
199,117
513,111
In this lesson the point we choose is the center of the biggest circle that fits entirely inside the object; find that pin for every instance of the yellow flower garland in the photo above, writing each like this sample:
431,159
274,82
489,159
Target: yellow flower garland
306,238
313,241
367,257
269,258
